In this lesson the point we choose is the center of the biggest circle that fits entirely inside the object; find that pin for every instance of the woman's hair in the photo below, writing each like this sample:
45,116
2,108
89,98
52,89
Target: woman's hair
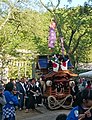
84,94
61,117
9,86
88,82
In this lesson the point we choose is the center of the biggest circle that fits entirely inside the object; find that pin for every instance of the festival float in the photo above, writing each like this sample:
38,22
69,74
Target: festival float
55,71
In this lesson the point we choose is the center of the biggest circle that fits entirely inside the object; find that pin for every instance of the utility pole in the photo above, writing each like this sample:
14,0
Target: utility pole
25,67
33,70
18,70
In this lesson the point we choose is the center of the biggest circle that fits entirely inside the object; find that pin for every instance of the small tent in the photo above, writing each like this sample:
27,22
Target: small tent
86,74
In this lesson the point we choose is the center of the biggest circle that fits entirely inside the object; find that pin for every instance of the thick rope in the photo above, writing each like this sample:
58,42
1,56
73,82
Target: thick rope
85,113
55,104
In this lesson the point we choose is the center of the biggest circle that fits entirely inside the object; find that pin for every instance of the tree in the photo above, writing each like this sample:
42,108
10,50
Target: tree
74,25
20,30
27,29
78,35
8,21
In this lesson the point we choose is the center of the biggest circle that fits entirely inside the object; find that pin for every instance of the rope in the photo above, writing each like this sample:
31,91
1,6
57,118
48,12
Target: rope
85,113
54,104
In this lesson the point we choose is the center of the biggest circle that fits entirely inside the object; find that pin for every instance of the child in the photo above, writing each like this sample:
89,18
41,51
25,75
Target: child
61,117
82,111
11,101
2,100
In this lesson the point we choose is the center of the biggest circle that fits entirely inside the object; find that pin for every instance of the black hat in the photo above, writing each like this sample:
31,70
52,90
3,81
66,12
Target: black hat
29,80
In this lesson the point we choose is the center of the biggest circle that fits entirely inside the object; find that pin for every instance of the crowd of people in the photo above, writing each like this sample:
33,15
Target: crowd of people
82,101
21,94
27,94
83,108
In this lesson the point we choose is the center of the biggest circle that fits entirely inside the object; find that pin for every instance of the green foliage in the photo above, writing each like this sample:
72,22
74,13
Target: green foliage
28,29
75,27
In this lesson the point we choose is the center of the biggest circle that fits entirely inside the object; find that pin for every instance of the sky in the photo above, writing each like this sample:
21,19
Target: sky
64,2
73,3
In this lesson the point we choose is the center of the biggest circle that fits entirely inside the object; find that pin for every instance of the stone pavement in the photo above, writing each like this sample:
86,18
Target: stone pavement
41,113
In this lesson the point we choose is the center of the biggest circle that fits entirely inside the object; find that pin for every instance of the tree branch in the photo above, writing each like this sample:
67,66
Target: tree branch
77,43
57,4
3,24
54,8
11,5
45,6
71,37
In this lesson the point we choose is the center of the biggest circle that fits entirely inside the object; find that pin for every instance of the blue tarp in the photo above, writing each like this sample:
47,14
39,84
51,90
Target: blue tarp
43,63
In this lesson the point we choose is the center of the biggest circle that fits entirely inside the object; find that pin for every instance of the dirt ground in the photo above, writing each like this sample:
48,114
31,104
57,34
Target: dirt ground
20,115
41,113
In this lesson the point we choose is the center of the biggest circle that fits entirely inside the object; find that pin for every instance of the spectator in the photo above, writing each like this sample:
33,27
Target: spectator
20,87
88,85
74,91
39,93
84,102
27,100
31,91
11,101
61,117
2,100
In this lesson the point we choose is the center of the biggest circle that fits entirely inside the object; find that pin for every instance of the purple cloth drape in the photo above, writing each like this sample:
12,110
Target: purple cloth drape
51,38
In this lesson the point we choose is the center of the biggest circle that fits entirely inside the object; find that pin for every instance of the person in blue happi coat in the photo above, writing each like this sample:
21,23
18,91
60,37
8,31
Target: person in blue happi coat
11,102
83,109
